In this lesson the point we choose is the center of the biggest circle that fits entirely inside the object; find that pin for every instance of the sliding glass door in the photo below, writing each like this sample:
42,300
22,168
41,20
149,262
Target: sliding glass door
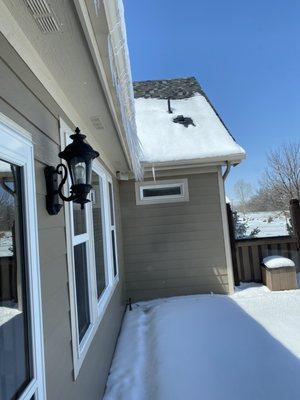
21,354
15,335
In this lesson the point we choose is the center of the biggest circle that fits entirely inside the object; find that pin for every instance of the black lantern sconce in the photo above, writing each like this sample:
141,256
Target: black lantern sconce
79,156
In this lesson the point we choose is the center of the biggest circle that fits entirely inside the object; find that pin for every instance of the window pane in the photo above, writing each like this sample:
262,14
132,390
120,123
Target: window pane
166,191
82,296
98,234
111,200
15,355
113,238
79,219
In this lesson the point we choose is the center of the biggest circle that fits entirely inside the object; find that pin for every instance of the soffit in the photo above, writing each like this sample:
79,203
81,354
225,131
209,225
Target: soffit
67,57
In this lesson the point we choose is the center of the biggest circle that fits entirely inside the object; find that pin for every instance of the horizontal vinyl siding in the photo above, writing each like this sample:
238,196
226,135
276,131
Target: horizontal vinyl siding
23,107
28,106
174,248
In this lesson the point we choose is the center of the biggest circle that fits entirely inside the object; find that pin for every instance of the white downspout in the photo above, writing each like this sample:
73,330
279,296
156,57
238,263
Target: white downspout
227,170
228,255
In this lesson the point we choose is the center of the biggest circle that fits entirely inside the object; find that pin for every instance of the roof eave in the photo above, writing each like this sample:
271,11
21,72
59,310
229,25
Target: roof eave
106,75
233,159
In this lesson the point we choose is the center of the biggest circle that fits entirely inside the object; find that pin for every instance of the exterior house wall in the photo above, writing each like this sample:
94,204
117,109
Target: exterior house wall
175,248
25,108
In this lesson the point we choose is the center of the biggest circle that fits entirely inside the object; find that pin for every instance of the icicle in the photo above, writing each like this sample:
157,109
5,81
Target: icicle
97,6
153,173
123,83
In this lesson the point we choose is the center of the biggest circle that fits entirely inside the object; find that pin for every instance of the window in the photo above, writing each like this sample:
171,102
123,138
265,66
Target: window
102,279
92,258
21,343
113,228
82,293
79,219
150,192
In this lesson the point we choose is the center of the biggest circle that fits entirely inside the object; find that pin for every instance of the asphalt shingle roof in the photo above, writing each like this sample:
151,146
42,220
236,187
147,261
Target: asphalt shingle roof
180,88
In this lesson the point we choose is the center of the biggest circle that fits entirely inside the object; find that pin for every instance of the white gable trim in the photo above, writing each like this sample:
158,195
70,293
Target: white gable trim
228,254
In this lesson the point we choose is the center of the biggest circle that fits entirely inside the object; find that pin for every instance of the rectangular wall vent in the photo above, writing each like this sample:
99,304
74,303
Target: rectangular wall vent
43,15
96,121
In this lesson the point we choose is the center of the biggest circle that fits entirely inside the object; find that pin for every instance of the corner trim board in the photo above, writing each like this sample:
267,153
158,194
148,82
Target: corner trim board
226,232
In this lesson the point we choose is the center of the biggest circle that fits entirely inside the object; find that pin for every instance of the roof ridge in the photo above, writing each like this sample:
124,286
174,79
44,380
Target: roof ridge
167,79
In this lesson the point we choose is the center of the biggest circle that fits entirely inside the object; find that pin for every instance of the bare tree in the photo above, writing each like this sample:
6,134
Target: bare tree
282,175
264,200
243,191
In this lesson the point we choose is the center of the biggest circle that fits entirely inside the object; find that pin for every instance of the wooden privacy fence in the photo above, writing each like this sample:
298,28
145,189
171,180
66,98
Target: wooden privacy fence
249,254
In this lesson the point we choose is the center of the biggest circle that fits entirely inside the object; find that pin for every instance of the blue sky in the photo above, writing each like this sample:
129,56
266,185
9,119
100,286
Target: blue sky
245,54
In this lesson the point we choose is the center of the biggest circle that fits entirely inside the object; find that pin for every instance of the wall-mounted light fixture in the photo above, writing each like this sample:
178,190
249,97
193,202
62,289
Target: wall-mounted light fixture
79,156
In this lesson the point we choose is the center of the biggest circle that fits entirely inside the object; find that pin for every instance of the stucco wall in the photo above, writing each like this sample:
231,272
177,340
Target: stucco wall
174,248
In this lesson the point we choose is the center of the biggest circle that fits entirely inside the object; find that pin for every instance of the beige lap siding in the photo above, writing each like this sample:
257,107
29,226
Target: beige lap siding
26,109
175,248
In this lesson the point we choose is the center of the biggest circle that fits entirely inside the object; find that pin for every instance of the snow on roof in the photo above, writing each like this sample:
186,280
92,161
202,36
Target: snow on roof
163,140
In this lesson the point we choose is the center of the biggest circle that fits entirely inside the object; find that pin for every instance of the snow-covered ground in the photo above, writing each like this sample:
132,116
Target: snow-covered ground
211,347
5,244
270,223
7,313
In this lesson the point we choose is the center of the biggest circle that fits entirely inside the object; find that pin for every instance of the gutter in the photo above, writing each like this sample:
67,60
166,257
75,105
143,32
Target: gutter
192,163
227,170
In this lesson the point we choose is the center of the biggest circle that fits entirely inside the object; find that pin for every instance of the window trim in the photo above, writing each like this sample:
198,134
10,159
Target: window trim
76,240
140,186
17,148
97,307
113,280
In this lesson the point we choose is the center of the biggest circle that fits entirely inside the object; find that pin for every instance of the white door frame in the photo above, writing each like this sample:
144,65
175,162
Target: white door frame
16,147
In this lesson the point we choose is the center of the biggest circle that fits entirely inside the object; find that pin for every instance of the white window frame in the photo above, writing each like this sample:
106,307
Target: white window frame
108,251
113,226
97,306
17,148
140,186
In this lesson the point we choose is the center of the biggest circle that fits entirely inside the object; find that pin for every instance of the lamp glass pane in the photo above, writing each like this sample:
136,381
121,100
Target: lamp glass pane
80,173
88,172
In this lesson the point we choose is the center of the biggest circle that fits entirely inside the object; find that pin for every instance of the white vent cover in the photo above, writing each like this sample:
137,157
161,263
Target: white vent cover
96,121
43,15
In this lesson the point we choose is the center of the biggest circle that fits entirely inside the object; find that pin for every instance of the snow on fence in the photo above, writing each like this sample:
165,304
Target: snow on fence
249,254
